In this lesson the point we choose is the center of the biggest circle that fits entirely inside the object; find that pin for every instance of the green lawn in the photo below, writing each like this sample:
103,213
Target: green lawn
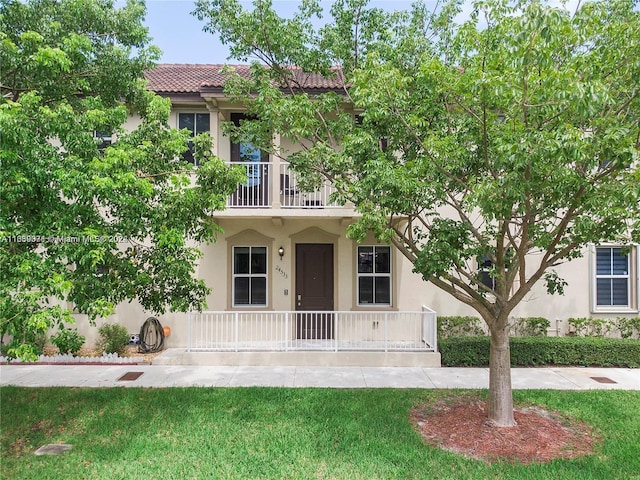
248,433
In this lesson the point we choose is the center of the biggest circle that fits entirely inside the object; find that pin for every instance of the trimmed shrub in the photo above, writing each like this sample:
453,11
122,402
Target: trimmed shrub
113,338
536,351
459,326
68,341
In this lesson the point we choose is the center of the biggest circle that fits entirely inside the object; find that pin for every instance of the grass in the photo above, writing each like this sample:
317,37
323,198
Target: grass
279,433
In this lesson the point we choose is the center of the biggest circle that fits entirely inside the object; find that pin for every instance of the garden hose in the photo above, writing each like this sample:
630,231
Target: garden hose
151,336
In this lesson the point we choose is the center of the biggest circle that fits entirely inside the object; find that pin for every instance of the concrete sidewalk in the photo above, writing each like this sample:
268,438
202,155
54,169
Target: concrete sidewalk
160,376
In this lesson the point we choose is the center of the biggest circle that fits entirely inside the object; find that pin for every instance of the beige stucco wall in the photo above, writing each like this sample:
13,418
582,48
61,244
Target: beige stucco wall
410,292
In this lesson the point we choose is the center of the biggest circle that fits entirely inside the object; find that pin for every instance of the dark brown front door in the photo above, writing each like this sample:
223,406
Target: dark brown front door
314,290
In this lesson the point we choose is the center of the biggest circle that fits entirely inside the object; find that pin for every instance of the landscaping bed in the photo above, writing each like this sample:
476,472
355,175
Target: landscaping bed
86,356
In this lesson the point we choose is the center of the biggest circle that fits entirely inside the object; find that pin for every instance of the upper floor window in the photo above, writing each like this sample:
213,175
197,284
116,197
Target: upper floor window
196,123
487,273
103,139
613,279
249,276
374,275
485,268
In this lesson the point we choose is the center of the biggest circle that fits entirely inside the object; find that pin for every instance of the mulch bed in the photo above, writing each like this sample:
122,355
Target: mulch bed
463,427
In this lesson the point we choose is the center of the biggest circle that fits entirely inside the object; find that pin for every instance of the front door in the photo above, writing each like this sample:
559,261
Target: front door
314,290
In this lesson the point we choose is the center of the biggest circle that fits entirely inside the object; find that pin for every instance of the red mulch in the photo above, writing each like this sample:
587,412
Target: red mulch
463,427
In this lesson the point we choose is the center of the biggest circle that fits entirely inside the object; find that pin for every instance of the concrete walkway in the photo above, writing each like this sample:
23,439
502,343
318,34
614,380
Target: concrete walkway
573,378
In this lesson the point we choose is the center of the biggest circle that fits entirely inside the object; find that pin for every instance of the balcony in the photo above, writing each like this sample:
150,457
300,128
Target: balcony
276,186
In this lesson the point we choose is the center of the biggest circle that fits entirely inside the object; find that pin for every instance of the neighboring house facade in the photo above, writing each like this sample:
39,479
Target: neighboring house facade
285,276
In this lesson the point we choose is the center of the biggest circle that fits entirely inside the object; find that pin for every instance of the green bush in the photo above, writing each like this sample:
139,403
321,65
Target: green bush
530,327
591,327
113,338
23,342
536,351
629,327
68,341
462,326
459,326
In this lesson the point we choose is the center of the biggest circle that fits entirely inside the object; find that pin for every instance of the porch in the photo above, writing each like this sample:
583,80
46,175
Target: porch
316,331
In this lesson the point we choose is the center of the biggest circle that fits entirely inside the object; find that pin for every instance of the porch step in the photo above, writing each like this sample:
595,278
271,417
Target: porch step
179,356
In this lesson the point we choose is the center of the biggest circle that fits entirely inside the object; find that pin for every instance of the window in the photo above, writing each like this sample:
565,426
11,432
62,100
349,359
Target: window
196,123
374,275
485,266
249,276
487,270
613,277
103,139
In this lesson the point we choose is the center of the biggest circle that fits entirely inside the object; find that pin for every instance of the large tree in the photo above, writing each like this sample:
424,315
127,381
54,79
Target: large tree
82,221
512,136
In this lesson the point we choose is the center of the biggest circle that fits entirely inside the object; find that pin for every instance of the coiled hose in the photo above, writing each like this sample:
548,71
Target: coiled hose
151,336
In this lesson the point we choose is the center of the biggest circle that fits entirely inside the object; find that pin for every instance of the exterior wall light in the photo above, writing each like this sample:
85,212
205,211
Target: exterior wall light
281,252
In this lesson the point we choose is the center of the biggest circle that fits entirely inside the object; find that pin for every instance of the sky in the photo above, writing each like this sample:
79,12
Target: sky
181,39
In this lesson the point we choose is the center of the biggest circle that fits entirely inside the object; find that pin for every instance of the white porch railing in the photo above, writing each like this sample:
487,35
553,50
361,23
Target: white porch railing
312,331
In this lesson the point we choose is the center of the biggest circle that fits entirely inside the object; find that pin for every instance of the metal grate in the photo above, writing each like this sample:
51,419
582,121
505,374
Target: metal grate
130,376
603,380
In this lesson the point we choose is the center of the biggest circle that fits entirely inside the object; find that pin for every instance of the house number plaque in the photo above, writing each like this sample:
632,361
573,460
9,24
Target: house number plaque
281,271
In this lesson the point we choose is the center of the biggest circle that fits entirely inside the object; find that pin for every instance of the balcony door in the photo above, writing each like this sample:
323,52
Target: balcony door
255,191
314,291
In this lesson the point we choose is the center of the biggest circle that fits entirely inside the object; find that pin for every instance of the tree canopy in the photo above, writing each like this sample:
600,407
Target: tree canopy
512,135
85,220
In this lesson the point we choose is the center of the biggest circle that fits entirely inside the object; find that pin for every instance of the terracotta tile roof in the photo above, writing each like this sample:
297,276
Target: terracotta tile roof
190,78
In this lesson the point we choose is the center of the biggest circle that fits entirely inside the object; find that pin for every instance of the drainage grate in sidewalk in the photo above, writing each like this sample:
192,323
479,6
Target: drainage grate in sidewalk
603,379
130,376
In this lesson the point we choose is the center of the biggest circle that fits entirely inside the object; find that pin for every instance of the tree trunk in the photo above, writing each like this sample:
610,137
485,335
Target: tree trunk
500,394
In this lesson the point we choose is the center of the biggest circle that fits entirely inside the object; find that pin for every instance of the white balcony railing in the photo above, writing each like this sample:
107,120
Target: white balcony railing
292,196
312,331
256,191
263,187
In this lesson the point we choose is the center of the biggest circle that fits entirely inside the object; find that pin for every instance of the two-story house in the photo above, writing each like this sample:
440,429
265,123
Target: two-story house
286,278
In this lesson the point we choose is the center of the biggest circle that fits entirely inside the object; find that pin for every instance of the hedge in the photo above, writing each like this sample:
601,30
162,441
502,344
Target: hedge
536,351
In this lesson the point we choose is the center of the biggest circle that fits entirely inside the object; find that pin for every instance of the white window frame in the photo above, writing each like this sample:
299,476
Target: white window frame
374,275
250,275
633,290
